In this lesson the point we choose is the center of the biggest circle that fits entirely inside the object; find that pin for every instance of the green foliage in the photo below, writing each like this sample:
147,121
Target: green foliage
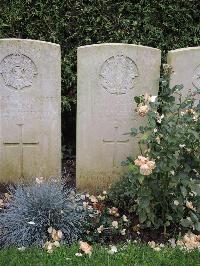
166,25
131,254
170,193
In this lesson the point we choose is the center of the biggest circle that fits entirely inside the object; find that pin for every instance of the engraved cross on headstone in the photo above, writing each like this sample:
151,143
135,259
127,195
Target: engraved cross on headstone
21,145
115,142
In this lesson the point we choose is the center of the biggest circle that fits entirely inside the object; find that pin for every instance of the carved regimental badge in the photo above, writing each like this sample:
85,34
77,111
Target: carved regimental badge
118,74
18,71
196,77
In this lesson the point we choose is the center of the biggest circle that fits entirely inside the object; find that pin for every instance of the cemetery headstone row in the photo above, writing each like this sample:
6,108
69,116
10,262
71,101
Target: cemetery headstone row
109,76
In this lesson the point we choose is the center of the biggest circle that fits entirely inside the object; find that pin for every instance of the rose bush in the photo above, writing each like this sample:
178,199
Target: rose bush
162,185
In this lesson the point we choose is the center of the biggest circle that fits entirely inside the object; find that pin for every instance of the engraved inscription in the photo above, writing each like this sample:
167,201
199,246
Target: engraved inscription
34,108
21,144
18,71
115,142
196,77
118,74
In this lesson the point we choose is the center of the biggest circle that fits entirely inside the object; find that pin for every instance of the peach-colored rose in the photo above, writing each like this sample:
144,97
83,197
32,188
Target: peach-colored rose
142,110
141,160
151,164
145,169
137,162
146,166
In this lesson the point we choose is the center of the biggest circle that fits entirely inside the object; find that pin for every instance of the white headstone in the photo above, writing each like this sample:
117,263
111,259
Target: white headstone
30,88
109,76
185,64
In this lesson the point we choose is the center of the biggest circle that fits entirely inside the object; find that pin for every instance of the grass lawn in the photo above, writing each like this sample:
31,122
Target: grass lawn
130,255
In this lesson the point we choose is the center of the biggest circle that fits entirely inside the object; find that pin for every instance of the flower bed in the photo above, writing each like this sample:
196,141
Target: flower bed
157,201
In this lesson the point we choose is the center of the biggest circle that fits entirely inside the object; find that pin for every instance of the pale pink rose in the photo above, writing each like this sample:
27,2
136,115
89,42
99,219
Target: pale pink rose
151,164
145,169
137,162
140,160
143,159
146,166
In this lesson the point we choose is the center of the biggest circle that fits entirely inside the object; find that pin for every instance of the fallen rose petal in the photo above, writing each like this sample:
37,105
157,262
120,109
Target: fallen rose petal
21,248
31,222
59,233
85,247
113,249
78,254
50,230
56,244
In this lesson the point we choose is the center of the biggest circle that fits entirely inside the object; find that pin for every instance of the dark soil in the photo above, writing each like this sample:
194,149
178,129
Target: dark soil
69,171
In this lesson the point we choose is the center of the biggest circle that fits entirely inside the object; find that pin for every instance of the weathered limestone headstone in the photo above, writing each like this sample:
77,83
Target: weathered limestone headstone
109,76
185,63
29,109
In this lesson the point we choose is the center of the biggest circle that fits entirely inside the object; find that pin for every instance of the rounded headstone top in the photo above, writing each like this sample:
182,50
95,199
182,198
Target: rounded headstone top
184,50
118,45
30,41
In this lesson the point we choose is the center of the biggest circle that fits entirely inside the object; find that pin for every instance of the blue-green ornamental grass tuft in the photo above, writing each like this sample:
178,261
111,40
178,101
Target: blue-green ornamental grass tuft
37,206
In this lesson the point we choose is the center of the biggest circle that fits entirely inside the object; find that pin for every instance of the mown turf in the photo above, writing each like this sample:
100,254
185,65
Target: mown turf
130,255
